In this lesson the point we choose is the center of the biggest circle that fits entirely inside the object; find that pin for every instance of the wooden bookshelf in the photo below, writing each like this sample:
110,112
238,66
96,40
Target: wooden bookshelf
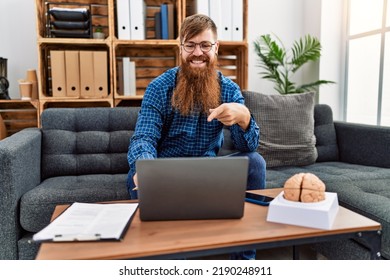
151,56
19,114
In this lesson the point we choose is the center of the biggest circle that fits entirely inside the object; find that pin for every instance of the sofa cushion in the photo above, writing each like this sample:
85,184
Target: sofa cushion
325,132
286,127
37,205
363,189
68,134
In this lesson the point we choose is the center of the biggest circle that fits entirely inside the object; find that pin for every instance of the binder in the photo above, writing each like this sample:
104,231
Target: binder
225,33
72,73
58,78
100,74
126,76
133,80
215,15
137,19
201,7
119,75
237,20
123,19
129,87
86,74
157,25
164,22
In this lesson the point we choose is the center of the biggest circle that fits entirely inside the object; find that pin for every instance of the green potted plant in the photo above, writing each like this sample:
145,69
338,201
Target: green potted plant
98,33
280,65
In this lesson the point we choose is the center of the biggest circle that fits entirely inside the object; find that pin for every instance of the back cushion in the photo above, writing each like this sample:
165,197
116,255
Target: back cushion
325,133
286,127
79,141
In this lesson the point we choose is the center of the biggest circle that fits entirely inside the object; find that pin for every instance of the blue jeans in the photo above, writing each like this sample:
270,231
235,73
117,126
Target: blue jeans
256,180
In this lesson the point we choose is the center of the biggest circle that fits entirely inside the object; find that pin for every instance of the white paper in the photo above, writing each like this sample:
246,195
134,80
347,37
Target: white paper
89,221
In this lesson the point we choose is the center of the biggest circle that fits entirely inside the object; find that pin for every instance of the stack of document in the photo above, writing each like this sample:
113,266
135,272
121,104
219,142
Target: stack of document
89,222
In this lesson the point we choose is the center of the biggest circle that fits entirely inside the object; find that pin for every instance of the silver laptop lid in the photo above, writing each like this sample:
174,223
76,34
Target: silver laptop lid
192,188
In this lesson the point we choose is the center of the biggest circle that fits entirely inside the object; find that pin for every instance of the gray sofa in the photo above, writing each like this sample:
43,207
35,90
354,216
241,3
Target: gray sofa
80,155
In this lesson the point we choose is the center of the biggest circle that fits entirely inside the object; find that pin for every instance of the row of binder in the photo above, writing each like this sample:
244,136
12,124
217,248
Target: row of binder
131,19
164,22
79,74
227,15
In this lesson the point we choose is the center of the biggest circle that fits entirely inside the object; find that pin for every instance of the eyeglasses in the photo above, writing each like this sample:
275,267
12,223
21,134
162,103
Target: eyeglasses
204,46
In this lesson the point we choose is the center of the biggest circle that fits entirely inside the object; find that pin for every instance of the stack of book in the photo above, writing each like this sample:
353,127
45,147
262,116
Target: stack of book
69,23
165,22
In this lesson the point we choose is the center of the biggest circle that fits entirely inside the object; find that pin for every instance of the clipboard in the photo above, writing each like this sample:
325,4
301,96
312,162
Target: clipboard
89,222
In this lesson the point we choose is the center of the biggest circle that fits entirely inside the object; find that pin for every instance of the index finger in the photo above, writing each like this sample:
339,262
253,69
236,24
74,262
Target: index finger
214,113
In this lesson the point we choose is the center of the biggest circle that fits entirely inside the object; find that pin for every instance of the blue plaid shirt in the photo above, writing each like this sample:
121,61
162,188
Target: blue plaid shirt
161,131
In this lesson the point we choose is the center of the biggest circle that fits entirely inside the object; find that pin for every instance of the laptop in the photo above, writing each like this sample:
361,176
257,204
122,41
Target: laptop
192,188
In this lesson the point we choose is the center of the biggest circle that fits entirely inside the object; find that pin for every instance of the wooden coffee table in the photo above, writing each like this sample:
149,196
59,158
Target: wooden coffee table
178,239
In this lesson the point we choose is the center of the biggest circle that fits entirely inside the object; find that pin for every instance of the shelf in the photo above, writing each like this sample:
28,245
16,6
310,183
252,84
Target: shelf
150,62
76,103
151,56
45,68
71,41
19,114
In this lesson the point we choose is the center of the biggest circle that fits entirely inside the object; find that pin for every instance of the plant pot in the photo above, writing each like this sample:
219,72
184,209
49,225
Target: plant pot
99,35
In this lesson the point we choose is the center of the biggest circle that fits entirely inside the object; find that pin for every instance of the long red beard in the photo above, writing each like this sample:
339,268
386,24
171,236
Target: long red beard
197,89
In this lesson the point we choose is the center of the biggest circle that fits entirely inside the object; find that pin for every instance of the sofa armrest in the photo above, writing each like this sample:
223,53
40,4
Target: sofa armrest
363,144
20,171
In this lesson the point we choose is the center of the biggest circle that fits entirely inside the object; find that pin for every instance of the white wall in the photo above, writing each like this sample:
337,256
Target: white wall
18,40
332,67
283,18
288,19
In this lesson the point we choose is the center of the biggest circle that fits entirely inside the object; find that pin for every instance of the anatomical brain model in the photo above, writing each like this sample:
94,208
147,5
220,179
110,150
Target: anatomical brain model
304,187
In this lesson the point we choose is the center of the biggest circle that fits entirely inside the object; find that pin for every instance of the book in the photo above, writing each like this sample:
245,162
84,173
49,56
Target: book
126,75
171,21
164,22
133,80
119,75
89,222
157,25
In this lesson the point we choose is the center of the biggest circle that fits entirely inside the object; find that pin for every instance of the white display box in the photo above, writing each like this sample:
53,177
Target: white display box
316,215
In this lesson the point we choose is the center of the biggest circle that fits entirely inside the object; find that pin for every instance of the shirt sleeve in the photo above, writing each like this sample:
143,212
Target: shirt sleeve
243,140
143,143
246,140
